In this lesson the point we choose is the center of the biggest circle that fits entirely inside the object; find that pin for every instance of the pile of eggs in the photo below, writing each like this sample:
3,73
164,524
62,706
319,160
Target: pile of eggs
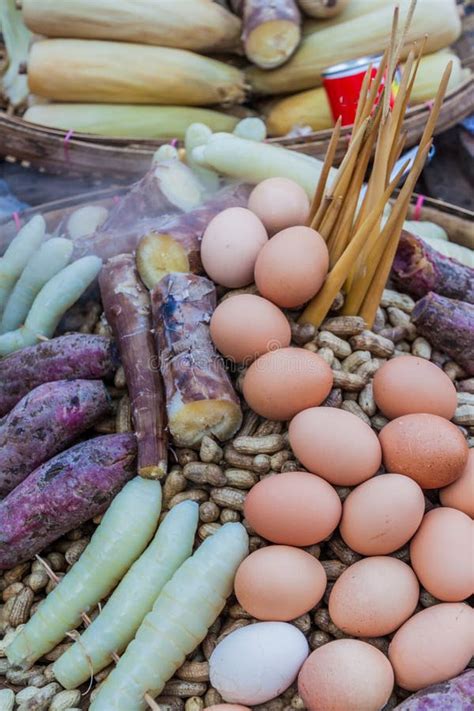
419,449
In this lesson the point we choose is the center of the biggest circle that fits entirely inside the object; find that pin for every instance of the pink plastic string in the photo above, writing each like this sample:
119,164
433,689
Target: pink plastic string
16,220
174,142
418,205
67,138
116,199
429,104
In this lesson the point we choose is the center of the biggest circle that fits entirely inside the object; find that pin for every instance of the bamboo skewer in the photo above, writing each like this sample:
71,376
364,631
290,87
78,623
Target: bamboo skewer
361,251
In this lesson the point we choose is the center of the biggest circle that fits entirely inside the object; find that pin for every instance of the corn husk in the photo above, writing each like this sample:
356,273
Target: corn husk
122,73
199,25
127,120
366,35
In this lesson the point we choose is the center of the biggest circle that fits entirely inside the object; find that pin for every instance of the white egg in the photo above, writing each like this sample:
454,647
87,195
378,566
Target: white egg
256,663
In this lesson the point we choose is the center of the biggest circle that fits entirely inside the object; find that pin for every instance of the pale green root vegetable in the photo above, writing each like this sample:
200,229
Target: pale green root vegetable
452,250
185,609
252,128
134,597
50,258
253,162
198,134
423,229
125,530
54,299
164,153
85,220
17,255
128,120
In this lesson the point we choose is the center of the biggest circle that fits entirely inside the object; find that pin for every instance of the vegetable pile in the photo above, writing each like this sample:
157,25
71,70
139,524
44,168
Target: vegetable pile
150,69
207,495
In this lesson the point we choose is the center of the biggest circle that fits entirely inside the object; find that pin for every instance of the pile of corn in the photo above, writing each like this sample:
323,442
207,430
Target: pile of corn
149,68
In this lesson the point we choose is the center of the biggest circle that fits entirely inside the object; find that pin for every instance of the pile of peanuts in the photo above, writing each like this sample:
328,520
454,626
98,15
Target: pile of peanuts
218,477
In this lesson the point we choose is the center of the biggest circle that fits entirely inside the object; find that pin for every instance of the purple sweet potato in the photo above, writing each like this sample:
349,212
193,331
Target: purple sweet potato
419,269
454,695
79,355
71,488
449,325
44,422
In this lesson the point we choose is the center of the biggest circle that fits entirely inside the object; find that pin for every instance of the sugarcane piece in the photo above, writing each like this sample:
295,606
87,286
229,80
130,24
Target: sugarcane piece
258,161
52,302
79,355
127,120
54,415
51,257
271,31
62,494
188,24
132,599
438,19
16,37
197,134
175,246
322,9
167,189
252,128
123,73
17,255
127,308
200,399
449,326
124,532
418,269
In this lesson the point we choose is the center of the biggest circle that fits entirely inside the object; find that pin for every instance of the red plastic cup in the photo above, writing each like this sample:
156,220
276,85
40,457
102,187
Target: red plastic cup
343,83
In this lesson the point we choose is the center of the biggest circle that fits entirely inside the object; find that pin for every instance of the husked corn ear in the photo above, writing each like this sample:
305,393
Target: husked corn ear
199,25
311,108
351,9
123,73
366,35
128,120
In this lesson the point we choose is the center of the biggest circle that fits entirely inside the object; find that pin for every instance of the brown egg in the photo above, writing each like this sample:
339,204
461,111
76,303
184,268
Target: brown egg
279,583
407,385
245,326
279,203
373,597
230,246
281,383
345,675
336,445
442,554
294,508
428,448
432,646
382,514
460,494
292,266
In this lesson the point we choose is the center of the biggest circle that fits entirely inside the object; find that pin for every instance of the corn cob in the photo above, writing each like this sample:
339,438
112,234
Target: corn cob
199,25
127,120
311,108
119,73
439,19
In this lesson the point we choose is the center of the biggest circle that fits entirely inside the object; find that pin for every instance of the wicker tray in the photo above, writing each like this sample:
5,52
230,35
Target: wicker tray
456,221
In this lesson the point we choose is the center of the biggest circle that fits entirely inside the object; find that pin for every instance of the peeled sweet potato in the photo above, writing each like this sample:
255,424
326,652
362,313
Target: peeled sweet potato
454,695
45,422
80,355
71,488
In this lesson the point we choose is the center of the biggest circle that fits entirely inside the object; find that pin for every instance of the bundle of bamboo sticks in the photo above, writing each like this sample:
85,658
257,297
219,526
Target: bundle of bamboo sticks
361,244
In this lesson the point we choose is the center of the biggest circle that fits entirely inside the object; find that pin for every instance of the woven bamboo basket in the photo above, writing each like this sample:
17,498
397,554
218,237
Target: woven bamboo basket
455,220
96,156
